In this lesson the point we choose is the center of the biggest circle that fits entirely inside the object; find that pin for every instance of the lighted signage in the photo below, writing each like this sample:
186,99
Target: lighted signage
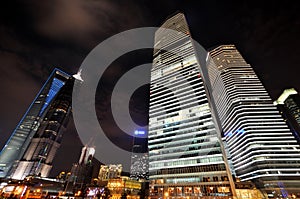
139,132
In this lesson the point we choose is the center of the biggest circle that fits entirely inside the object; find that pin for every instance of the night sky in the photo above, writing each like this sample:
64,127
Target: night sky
37,36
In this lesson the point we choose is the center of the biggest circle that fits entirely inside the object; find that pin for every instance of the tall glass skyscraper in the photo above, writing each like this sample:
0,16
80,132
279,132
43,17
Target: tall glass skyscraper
37,124
261,146
186,159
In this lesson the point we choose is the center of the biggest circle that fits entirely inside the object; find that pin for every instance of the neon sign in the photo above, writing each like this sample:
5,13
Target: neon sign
139,132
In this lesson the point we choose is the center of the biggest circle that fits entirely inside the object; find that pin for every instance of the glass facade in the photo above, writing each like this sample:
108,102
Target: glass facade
185,156
30,124
261,146
38,158
289,106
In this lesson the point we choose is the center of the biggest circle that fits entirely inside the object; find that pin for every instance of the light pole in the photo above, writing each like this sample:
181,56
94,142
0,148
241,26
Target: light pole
166,194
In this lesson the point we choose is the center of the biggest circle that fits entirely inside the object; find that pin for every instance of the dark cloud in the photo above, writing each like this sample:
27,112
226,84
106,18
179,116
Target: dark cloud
73,19
83,22
267,38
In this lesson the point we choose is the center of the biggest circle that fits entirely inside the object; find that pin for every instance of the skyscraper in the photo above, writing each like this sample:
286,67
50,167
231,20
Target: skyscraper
139,157
36,138
261,146
87,154
81,172
186,158
289,106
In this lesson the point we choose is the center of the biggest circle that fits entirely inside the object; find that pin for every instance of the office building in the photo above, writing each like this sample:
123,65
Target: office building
110,171
139,157
288,104
124,187
87,154
38,158
261,146
186,157
42,121
83,171
139,164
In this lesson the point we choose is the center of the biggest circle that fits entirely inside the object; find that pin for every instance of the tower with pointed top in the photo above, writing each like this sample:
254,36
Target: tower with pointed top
186,158
32,147
261,146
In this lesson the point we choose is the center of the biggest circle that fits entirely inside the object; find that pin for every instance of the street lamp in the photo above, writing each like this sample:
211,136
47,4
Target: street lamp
166,194
211,189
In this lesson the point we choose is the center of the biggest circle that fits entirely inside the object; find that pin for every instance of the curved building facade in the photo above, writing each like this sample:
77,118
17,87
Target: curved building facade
185,155
261,146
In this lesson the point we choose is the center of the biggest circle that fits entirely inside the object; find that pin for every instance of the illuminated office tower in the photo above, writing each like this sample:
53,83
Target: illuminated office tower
139,164
289,106
87,154
185,152
82,172
261,146
110,171
27,128
139,168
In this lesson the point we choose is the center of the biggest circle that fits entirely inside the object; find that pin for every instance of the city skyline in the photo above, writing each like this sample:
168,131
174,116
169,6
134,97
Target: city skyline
266,54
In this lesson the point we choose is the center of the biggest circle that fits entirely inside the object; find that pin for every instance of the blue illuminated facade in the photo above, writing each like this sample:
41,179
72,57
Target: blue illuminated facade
55,87
21,137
